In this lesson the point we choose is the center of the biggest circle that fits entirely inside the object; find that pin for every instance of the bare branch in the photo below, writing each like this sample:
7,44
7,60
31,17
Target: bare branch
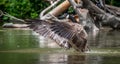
8,15
1,13
48,8
115,10
50,1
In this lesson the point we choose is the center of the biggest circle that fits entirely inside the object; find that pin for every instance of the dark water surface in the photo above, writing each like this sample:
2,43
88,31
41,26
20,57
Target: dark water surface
22,46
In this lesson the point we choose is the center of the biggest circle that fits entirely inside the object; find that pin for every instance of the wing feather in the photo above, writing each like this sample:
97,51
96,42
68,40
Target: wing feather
65,34
59,32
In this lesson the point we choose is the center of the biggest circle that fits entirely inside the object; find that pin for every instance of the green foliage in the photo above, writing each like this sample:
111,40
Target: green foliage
70,10
23,8
113,2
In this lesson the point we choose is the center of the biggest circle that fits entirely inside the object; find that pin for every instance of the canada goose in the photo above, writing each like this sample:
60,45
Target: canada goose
65,34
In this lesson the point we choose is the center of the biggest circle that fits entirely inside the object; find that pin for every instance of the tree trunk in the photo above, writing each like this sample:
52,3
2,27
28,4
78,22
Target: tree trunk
60,8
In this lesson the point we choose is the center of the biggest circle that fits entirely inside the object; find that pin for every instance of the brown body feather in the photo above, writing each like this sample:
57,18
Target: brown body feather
65,34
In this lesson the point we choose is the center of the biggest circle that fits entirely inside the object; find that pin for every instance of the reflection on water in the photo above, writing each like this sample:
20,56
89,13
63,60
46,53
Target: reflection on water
20,58
26,47
105,39
45,42
17,39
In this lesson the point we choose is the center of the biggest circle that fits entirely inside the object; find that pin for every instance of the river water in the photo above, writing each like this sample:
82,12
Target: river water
23,46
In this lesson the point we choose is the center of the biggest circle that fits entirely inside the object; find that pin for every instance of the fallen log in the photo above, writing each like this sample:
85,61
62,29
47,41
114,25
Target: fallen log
11,25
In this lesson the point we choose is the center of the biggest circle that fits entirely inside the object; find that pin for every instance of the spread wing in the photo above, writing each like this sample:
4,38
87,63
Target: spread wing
65,34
